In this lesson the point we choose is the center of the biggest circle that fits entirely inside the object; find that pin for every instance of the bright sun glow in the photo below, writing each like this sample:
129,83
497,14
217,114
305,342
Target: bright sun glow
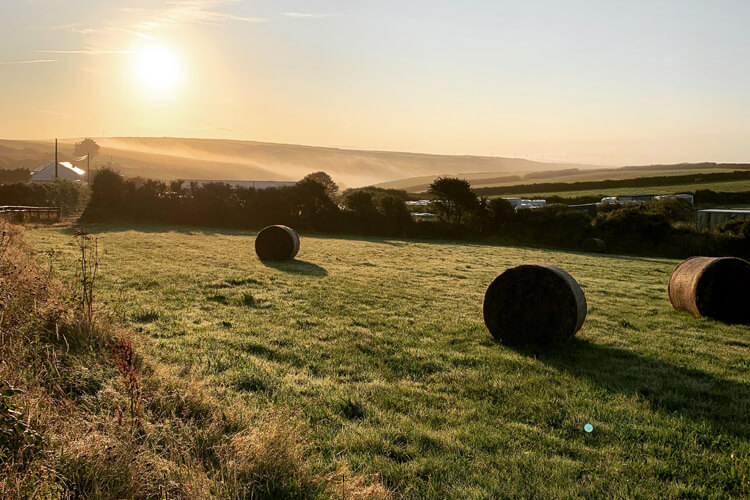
158,69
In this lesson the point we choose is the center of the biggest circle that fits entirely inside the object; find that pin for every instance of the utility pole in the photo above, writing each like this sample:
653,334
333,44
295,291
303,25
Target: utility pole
55,158
88,168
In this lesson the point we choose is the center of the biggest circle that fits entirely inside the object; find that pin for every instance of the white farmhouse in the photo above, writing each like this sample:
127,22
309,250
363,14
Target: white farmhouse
65,170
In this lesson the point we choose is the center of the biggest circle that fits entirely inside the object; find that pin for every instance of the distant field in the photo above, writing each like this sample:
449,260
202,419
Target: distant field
485,179
731,186
379,344
418,184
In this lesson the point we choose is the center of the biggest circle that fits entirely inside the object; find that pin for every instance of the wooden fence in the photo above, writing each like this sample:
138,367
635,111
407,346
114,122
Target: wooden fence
16,213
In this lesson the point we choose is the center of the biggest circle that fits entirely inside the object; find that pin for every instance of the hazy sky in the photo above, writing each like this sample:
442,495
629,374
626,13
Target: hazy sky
613,82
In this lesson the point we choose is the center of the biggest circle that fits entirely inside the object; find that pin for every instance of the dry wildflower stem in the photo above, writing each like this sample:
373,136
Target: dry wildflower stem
88,266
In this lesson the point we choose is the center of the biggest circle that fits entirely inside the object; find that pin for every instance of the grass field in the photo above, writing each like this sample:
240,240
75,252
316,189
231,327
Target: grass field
485,179
380,346
730,186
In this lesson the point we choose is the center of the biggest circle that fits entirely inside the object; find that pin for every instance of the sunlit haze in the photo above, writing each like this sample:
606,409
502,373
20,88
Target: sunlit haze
157,70
626,82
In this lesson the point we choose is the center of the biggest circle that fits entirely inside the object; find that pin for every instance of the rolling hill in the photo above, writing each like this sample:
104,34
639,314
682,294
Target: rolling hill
178,158
181,158
569,175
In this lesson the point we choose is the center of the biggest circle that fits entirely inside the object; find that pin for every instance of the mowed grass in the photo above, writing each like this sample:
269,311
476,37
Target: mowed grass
380,346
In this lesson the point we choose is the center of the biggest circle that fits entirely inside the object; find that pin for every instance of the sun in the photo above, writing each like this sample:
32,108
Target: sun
157,69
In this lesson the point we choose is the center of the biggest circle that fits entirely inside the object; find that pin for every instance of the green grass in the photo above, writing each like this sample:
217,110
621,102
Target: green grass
729,186
612,175
484,179
380,346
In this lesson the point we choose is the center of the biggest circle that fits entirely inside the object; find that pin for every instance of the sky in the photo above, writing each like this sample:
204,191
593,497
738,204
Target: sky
599,81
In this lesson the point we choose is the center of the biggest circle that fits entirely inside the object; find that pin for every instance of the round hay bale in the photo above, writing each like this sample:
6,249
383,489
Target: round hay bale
277,243
594,245
534,304
715,287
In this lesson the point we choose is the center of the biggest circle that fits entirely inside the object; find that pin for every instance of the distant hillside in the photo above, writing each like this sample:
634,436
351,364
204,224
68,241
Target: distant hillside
178,158
568,175
175,158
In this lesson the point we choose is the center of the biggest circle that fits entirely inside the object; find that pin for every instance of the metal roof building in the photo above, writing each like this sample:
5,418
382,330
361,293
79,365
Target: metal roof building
708,220
234,183
65,170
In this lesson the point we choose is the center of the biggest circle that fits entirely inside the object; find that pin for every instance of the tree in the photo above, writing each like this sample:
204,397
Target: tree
86,147
311,204
108,193
325,180
395,212
501,211
360,202
454,198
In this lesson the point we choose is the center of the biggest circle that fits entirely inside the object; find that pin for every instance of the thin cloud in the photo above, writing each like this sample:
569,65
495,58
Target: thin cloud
311,15
86,52
29,61
73,28
84,30
184,12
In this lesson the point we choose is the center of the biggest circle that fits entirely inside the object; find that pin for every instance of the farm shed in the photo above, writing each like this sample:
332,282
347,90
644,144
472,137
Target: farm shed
423,216
585,208
635,198
708,220
65,170
244,184
513,201
680,196
419,203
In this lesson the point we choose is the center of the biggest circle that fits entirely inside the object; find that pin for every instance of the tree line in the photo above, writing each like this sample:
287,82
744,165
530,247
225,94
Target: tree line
66,195
663,227
662,180
12,176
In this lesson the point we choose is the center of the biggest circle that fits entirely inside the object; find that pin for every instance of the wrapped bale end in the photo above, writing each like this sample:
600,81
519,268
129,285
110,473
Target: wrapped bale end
594,245
277,243
714,287
534,304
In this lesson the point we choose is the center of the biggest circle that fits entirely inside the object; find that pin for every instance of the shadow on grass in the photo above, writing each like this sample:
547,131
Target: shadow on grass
296,266
699,396
103,228
394,241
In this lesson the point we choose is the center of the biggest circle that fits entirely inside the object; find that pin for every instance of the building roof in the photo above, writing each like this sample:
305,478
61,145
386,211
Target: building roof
60,164
725,211
237,183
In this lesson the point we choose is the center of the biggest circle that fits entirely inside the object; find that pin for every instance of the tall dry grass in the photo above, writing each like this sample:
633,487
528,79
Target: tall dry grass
84,415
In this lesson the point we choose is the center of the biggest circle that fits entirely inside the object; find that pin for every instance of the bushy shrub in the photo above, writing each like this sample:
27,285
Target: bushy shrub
735,227
708,197
553,224
8,176
673,209
66,195
501,212
631,228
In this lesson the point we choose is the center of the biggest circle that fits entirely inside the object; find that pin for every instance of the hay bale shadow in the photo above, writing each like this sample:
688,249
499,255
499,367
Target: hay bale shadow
296,266
720,403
